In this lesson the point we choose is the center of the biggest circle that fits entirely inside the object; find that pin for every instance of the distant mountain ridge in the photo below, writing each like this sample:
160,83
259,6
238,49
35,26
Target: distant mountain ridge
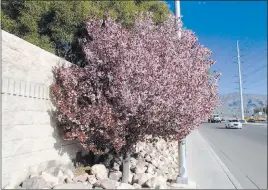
230,103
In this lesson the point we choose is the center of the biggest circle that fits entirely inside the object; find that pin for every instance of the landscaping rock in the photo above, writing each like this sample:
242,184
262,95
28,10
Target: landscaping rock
99,171
155,182
116,166
152,182
106,183
69,173
162,187
161,177
33,175
130,178
155,162
92,179
150,169
141,178
34,183
140,167
68,180
137,186
55,170
81,178
133,162
50,179
116,175
148,158
73,186
125,186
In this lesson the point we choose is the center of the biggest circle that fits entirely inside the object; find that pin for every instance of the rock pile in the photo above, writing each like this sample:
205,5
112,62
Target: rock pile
152,166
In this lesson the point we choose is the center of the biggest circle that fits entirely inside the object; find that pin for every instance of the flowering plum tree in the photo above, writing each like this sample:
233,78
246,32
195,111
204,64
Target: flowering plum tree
144,80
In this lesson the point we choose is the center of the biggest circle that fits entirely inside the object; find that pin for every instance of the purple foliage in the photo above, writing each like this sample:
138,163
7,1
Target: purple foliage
144,80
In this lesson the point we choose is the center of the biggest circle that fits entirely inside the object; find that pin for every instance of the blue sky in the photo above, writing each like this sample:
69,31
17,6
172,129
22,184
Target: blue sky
218,25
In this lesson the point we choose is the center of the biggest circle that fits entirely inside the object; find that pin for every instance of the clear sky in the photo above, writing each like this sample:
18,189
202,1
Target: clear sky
218,25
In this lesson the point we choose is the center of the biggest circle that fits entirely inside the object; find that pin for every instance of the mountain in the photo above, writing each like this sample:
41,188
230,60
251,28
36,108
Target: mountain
230,103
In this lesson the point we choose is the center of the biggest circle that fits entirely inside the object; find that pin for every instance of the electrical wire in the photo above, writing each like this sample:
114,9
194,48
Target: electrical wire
257,70
256,81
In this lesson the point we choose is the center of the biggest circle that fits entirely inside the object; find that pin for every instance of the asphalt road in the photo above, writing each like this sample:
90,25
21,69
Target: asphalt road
243,151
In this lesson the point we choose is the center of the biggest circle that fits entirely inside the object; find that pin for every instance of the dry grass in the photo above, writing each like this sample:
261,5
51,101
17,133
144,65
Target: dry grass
81,170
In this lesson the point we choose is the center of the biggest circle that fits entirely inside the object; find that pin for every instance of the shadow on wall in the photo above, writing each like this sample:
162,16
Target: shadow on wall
71,148
82,157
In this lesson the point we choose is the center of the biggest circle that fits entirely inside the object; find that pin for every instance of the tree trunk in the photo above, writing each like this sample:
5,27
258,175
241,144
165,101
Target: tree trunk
126,168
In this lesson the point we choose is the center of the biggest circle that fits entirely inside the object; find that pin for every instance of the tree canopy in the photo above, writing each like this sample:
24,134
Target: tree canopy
146,80
56,25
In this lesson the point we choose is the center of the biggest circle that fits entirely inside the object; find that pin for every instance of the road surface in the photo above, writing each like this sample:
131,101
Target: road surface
243,151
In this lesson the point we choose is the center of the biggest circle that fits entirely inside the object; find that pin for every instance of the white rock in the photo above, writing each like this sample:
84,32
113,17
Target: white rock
125,186
116,166
155,182
60,174
150,169
55,170
137,186
73,186
152,183
34,183
49,178
148,158
140,167
69,173
33,175
163,168
99,170
130,178
62,179
141,178
116,175
142,153
133,162
155,162
81,178
106,183
161,177
92,179
69,180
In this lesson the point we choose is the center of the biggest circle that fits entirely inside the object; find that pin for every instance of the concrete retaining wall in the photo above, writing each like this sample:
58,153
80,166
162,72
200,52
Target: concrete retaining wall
30,142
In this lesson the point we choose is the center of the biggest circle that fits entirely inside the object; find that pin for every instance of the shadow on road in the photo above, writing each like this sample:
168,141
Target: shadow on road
220,128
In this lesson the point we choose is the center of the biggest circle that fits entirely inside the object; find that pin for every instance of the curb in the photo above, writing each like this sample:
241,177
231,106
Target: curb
257,124
231,177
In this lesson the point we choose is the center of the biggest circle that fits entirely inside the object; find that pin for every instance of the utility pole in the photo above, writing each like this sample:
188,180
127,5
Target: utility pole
182,177
240,82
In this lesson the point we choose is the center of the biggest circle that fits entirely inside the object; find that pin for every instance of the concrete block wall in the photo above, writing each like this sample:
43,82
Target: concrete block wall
30,143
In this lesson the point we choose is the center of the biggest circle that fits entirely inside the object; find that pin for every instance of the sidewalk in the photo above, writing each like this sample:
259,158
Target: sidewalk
205,167
259,124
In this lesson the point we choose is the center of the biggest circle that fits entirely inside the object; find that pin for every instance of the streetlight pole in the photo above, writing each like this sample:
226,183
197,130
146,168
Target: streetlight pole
182,177
240,82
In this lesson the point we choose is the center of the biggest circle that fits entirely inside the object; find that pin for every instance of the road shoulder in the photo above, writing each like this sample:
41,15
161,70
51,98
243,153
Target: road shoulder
205,167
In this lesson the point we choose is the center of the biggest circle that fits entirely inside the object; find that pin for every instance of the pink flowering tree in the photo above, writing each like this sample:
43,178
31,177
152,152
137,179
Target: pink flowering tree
140,81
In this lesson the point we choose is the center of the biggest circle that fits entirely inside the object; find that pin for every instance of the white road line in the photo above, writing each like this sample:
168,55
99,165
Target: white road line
223,166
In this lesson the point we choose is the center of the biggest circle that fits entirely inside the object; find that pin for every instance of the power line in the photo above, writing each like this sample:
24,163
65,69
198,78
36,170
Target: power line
257,70
256,81
260,55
